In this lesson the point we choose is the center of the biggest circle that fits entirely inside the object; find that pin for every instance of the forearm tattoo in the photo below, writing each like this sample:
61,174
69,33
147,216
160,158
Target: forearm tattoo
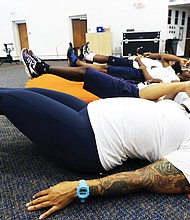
159,177
168,177
118,184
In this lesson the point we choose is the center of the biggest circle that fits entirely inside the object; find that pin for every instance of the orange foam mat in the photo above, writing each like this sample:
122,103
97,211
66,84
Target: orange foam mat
48,81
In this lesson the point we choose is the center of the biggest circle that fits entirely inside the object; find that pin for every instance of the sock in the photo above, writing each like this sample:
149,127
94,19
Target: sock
46,67
89,56
42,68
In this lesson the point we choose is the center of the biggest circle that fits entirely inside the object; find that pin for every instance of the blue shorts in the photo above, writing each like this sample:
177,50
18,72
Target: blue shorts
126,72
106,86
119,61
123,68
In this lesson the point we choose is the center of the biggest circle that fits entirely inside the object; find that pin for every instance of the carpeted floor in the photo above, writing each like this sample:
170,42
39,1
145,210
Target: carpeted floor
25,170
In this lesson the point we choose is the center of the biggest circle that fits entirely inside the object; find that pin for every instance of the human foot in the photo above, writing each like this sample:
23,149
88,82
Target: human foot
71,56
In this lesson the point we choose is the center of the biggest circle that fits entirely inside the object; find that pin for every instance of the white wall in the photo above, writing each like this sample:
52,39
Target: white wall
122,15
9,11
49,27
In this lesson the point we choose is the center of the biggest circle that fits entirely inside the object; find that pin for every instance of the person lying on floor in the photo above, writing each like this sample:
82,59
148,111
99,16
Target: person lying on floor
106,133
133,73
98,83
159,66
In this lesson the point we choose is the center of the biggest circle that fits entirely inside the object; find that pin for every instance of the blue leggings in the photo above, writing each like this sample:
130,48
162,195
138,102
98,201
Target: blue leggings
57,123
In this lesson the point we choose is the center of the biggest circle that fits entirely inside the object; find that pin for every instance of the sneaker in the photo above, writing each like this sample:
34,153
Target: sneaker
37,59
84,50
70,45
29,64
71,57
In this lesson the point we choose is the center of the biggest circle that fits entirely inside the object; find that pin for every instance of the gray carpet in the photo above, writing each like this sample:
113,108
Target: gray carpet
25,170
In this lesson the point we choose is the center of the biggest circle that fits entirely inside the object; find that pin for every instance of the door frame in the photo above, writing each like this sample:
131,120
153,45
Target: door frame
82,17
17,43
187,51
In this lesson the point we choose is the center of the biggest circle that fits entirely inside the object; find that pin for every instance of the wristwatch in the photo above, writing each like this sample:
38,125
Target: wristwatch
82,190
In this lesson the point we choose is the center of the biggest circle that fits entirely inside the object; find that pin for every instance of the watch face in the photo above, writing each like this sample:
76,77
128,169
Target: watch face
83,192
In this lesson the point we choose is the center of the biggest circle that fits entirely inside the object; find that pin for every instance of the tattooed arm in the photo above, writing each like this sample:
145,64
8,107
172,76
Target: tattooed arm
159,177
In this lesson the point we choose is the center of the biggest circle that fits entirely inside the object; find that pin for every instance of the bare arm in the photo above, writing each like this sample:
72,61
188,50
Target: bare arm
148,77
138,60
166,58
159,177
142,68
170,96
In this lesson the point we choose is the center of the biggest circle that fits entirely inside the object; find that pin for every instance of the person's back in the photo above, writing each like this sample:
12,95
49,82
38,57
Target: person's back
137,128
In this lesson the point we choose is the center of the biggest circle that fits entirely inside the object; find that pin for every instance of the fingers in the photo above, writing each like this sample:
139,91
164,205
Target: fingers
41,193
33,207
56,197
49,212
145,54
37,201
39,198
184,62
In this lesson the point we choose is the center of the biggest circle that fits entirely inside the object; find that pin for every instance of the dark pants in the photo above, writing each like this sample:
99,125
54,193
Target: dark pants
57,123
123,68
106,86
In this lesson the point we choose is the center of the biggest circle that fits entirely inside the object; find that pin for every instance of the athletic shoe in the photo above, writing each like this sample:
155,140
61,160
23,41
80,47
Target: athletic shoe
70,45
84,50
71,57
29,64
87,49
37,59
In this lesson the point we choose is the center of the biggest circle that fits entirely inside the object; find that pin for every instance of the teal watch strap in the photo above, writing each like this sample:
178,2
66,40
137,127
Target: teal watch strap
82,190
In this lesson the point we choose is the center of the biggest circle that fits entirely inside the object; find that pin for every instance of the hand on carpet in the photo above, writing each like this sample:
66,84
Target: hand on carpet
56,197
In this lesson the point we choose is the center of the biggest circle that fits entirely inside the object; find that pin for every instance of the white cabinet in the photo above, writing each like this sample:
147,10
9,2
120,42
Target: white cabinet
100,43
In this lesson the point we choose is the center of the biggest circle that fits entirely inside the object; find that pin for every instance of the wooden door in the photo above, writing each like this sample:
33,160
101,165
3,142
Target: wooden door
22,29
187,42
79,32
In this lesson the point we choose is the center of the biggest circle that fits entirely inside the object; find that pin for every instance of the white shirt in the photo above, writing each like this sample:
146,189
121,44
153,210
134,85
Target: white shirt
138,128
156,70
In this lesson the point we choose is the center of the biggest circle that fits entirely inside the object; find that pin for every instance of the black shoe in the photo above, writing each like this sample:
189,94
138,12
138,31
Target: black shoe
81,56
84,50
71,45
37,59
29,63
